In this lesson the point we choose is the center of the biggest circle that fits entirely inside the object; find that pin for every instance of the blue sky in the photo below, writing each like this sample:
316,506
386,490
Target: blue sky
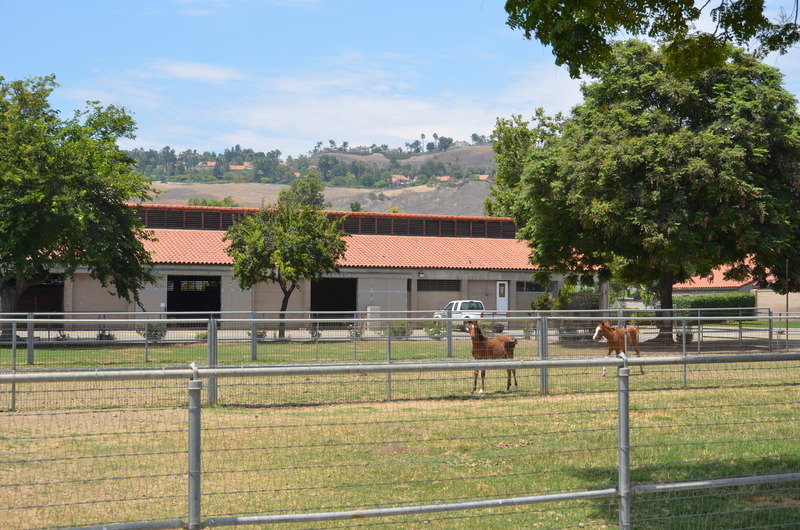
285,74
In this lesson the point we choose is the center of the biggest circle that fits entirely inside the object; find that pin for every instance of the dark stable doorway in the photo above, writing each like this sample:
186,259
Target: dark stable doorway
201,294
334,299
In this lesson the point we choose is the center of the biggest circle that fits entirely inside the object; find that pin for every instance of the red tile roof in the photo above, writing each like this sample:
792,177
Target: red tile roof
715,281
436,253
189,247
206,247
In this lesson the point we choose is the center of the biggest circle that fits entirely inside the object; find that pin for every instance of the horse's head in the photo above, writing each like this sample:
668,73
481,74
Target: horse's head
473,328
600,330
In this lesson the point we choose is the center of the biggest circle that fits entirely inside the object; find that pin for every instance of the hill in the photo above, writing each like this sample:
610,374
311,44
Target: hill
462,198
474,156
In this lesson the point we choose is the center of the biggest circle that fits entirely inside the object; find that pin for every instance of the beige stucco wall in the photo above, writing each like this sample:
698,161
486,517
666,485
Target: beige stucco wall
387,289
84,294
390,293
777,302
268,297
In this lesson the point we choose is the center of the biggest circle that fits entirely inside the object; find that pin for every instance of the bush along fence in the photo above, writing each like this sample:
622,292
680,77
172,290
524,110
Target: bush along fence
721,455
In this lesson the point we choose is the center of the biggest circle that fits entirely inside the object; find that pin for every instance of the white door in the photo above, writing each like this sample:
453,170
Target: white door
502,297
501,294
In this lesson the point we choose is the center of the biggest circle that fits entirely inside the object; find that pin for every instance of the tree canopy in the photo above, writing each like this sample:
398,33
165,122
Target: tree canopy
581,33
659,177
285,244
64,191
309,191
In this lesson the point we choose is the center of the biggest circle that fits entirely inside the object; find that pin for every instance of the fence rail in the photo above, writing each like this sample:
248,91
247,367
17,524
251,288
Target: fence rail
395,435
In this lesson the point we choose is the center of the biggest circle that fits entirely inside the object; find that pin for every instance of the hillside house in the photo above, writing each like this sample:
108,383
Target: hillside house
398,180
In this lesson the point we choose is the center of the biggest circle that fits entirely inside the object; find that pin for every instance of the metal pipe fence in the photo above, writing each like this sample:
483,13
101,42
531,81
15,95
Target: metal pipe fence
309,443
76,340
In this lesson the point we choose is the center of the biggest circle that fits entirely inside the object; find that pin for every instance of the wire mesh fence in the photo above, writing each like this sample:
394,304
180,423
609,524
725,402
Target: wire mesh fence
320,436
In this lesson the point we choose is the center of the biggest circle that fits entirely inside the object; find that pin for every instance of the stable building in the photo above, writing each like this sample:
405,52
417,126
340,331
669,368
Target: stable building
393,262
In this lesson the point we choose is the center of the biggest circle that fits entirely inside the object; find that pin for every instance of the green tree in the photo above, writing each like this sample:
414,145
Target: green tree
65,187
285,245
514,143
268,168
226,201
309,191
581,33
444,143
220,168
673,176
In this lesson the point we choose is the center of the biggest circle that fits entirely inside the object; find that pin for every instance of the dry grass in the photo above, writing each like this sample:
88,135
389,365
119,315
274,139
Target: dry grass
336,443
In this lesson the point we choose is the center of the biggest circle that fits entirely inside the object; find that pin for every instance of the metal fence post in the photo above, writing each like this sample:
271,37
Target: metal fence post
543,373
624,457
13,365
253,337
146,342
194,473
389,359
685,354
771,328
449,333
356,332
29,331
212,360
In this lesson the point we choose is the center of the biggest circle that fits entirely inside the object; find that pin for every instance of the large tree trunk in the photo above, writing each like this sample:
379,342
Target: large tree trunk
10,294
665,294
287,292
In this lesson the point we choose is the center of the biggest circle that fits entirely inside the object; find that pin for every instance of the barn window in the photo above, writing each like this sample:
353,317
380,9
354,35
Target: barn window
530,287
439,285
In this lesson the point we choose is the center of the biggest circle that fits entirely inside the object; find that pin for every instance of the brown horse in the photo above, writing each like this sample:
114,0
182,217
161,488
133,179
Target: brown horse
500,347
619,339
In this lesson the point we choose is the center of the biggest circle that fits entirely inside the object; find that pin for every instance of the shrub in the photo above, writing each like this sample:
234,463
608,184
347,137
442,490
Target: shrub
679,336
105,335
529,328
154,332
733,304
261,335
435,329
396,330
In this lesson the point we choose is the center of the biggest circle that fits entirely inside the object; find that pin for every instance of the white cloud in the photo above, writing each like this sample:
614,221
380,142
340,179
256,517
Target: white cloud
192,71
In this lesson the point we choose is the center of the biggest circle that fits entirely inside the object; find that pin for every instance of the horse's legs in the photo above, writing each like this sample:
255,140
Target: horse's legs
516,387
483,380
641,367
475,381
508,383
607,355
